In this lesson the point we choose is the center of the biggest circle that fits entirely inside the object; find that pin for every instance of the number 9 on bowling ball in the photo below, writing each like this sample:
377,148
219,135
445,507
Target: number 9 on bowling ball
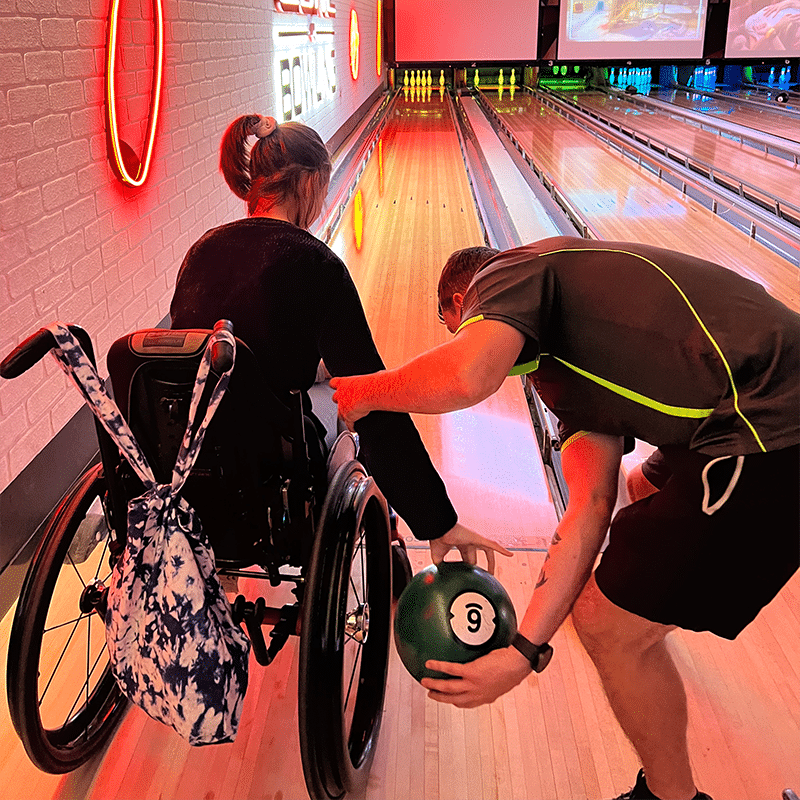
451,612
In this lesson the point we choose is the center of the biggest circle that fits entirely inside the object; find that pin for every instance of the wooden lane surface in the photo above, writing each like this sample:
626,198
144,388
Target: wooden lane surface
626,202
772,120
778,176
417,209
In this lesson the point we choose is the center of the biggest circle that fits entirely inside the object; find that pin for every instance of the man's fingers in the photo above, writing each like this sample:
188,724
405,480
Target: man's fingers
448,668
490,561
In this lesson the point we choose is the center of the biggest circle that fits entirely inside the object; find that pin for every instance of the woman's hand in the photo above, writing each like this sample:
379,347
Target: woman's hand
468,544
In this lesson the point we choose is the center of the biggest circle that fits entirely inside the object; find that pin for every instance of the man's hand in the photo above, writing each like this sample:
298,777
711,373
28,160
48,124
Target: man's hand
468,543
478,682
349,396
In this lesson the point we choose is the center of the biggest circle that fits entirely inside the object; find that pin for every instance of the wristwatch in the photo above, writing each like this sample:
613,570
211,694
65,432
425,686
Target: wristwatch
538,654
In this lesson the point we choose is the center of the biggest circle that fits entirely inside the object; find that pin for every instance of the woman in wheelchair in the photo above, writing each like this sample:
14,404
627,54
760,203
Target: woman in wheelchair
293,302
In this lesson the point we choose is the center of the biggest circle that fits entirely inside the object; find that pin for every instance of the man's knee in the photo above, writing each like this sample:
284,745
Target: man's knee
605,628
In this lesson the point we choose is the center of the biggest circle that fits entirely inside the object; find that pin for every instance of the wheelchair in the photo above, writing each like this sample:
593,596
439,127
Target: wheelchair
264,502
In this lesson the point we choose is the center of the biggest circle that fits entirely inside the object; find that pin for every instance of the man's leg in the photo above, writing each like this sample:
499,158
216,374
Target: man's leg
643,688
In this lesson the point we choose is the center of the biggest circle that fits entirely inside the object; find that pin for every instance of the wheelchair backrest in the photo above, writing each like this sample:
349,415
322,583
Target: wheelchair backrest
237,483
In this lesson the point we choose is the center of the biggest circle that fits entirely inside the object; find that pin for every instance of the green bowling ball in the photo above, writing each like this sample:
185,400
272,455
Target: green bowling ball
453,612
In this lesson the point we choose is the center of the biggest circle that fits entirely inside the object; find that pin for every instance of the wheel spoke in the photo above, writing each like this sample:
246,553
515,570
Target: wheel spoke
352,675
75,621
90,670
60,658
102,560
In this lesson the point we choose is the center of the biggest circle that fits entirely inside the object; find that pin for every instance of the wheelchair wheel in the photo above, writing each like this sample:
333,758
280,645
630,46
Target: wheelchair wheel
344,645
63,699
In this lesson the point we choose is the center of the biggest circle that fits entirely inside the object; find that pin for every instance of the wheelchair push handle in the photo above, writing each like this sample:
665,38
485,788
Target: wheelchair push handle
35,348
222,352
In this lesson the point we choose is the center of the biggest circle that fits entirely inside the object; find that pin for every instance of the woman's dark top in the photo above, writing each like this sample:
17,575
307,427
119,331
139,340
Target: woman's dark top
293,302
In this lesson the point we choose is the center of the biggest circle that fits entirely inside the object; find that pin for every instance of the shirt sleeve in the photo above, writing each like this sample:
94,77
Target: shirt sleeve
518,288
391,447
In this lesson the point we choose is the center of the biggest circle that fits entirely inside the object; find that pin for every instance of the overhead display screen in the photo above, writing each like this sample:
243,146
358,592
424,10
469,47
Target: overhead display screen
466,30
763,28
631,29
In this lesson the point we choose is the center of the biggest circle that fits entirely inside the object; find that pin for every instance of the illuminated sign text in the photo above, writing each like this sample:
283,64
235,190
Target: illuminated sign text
304,73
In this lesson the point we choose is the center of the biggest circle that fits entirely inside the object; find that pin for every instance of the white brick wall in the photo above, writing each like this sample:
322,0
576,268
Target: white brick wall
77,245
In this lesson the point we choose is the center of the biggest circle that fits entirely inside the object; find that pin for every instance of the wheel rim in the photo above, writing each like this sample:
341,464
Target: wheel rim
363,667
63,698
345,638
74,656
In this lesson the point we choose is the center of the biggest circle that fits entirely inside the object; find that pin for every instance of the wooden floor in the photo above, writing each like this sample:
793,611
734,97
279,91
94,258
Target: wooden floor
553,737
772,120
779,176
626,202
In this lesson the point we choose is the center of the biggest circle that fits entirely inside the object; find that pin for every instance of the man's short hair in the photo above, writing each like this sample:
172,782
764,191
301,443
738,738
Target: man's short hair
458,272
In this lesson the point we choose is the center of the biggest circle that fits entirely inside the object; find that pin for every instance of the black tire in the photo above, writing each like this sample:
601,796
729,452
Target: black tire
401,569
344,643
63,699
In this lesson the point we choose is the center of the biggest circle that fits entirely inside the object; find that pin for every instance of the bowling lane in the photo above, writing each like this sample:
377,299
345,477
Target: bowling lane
776,175
769,119
411,208
624,201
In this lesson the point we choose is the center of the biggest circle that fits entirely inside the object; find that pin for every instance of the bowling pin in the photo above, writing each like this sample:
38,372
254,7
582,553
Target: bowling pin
477,80
771,79
405,79
430,81
513,77
441,79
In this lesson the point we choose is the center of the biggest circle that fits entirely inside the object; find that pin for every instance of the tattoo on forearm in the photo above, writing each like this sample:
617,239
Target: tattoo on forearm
543,574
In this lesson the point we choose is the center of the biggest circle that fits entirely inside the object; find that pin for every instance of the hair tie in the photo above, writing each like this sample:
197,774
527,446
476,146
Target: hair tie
265,126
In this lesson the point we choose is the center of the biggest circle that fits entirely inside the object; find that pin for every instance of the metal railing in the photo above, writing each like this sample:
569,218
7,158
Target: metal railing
770,231
783,209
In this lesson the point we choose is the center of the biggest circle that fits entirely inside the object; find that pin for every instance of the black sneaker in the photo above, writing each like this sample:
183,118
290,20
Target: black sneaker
641,791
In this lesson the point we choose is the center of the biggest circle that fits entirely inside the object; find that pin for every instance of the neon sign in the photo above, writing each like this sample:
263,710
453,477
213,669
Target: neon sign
354,44
379,39
304,71
127,166
322,8
358,218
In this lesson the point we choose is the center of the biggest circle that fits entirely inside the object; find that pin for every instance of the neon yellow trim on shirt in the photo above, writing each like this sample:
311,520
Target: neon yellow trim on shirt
672,411
469,321
524,369
696,316
572,439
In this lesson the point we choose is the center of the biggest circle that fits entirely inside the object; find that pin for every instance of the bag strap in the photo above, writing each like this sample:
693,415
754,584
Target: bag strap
192,440
76,364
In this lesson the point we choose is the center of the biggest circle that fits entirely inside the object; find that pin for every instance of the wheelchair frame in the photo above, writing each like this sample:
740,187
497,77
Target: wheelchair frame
342,611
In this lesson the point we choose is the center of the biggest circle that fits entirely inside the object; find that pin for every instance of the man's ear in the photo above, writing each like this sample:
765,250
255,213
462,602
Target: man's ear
458,301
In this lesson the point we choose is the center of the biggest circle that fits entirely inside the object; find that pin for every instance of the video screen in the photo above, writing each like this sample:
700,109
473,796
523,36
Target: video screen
763,28
466,30
631,29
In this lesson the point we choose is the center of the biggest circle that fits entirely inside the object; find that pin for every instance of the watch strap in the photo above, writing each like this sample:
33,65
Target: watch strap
538,655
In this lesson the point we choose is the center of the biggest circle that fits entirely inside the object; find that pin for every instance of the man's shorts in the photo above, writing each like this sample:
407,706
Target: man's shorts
671,563
655,469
